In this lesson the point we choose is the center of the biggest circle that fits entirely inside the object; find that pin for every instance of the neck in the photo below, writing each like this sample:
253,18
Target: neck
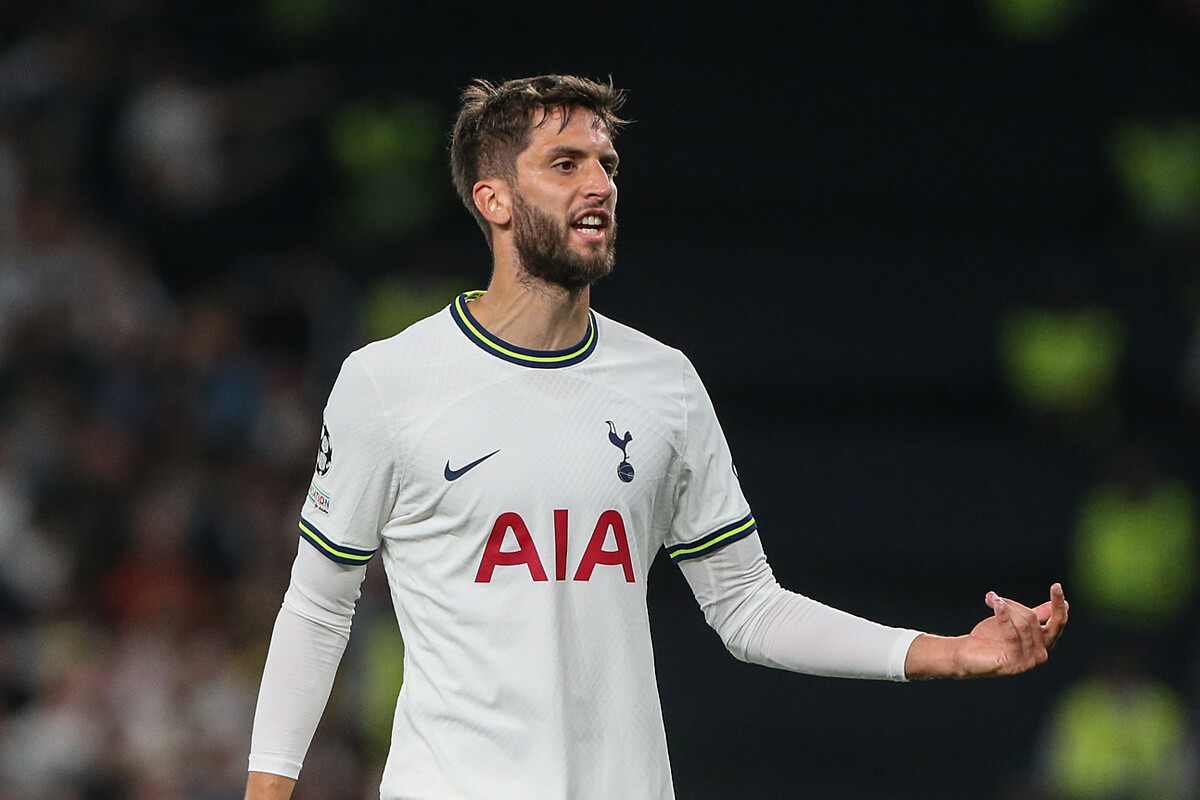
529,312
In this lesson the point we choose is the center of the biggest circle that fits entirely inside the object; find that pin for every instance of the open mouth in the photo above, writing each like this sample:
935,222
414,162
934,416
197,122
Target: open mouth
592,223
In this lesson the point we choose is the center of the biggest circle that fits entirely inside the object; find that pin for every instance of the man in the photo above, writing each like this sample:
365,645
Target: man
518,460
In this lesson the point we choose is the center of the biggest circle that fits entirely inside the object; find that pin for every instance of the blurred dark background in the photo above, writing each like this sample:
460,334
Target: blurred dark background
938,263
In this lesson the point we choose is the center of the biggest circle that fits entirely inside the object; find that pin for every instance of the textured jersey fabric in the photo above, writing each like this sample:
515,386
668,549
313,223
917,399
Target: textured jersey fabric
517,499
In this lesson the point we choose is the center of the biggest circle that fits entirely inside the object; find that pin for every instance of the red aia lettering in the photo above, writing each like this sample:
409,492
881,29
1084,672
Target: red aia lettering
493,556
596,554
527,554
560,544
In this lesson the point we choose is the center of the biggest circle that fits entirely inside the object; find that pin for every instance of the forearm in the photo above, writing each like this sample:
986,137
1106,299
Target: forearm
310,635
801,635
265,786
763,623
296,683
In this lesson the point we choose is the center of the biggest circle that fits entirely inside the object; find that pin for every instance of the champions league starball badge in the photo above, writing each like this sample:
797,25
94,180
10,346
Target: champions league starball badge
324,453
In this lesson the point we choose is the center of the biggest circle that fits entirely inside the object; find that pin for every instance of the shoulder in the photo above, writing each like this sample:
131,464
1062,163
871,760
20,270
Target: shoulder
642,366
628,342
423,341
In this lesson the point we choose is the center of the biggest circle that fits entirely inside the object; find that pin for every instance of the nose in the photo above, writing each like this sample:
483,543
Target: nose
599,183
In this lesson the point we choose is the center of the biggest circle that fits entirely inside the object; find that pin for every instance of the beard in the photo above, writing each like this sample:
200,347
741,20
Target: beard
543,247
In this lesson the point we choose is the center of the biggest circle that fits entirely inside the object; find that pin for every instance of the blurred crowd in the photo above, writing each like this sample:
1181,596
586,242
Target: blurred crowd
170,321
176,296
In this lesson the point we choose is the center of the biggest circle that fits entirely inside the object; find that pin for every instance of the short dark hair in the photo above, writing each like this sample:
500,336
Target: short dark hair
495,120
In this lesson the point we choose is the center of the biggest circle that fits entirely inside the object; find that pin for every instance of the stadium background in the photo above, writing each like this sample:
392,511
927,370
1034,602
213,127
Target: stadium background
937,262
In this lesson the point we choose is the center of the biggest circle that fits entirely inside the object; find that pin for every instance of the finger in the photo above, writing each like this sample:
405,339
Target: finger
1058,601
1030,630
1008,630
992,599
1052,628
1030,649
1019,608
1053,609
1040,627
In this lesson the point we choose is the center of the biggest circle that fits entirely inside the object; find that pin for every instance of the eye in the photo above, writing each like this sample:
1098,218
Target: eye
565,165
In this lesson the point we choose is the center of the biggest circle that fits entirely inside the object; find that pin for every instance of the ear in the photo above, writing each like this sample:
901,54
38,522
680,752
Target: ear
493,200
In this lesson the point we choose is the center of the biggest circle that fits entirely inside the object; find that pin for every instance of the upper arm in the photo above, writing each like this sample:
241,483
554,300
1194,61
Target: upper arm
711,512
356,474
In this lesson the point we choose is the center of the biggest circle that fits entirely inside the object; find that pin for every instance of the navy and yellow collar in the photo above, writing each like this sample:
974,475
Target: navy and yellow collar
542,359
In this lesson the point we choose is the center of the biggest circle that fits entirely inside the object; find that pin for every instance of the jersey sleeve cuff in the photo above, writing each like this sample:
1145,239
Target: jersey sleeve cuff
338,553
899,655
274,765
712,542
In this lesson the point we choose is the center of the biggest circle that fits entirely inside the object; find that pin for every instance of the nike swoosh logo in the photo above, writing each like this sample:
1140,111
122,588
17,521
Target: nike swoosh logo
455,474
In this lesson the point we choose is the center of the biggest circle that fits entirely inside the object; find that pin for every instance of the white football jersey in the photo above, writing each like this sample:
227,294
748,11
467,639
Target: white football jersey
517,499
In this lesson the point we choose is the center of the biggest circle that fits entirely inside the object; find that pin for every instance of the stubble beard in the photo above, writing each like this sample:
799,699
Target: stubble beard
542,245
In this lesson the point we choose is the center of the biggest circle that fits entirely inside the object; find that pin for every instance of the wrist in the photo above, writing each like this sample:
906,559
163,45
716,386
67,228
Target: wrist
930,656
266,786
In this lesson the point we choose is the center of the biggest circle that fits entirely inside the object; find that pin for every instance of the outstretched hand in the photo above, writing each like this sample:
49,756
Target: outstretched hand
1013,639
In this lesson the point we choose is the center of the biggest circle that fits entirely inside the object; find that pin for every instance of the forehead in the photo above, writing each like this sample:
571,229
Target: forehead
582,130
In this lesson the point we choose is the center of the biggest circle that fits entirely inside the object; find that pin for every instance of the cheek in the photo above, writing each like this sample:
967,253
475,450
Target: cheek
549,202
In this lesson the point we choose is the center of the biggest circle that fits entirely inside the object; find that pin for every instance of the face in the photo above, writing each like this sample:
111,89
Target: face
564,202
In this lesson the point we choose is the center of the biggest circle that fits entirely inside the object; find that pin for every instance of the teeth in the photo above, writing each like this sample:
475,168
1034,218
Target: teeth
590,221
